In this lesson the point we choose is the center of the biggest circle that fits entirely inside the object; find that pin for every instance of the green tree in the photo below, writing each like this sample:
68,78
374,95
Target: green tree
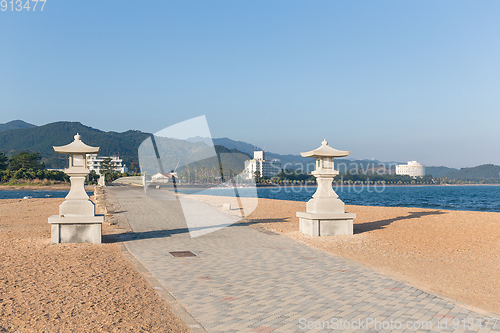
256,175
106,166
25,160
92,177
133,167
4,161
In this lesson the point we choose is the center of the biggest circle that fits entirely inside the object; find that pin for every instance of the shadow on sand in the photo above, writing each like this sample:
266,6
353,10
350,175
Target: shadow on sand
369,226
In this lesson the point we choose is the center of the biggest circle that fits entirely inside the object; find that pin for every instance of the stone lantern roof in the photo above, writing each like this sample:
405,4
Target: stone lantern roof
76,147
325,151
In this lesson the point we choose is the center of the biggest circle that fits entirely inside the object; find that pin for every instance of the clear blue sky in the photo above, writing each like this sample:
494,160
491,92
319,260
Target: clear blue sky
390,80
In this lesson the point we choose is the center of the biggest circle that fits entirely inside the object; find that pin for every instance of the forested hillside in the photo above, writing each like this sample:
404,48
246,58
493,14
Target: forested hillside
42,139
15,124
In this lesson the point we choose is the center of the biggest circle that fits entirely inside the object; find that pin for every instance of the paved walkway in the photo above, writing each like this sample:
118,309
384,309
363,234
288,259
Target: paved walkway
244,280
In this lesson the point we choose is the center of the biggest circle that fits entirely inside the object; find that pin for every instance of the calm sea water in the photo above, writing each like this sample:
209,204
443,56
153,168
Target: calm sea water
7,194
473,198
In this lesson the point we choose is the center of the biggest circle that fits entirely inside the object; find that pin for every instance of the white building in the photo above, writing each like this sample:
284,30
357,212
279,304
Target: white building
94,163
259,163
413,169
163,177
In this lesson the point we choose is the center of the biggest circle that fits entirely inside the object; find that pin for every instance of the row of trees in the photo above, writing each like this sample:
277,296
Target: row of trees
22,160
27,166
385,178
30,174
292,176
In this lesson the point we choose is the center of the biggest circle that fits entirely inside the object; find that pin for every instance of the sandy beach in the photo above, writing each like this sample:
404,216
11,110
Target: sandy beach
70,287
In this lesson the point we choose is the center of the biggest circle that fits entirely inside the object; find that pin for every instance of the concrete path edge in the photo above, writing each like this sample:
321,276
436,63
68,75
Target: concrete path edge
181,313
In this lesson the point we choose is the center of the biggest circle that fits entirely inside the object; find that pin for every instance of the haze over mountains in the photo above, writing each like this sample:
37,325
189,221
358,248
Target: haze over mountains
18,135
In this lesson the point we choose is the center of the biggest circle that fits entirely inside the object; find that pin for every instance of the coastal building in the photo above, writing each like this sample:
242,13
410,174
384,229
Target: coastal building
94,163
259,163
163,177
413,169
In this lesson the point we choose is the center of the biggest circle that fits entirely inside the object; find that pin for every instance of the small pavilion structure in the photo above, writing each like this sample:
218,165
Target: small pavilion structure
325,213
76,222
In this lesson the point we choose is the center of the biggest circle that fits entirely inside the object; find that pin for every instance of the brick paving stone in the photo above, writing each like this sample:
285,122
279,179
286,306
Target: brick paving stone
251,280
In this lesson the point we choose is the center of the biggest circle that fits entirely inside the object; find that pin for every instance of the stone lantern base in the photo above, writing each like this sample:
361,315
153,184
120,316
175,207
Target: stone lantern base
76,229
326,224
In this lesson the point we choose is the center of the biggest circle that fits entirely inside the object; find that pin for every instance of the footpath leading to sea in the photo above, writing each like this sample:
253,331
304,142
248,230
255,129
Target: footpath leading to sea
71,287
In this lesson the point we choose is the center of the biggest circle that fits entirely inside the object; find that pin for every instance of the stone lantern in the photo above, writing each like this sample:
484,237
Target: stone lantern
76,222
325,213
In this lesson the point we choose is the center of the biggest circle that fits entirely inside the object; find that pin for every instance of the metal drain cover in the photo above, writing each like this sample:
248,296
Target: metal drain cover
182,254
267,232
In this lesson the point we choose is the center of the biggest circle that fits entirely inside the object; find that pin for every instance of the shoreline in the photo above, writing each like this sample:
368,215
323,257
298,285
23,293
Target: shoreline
67,186
410,205
91,188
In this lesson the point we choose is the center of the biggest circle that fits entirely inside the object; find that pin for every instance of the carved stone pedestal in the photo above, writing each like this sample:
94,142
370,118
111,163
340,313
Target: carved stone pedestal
76,229
326,224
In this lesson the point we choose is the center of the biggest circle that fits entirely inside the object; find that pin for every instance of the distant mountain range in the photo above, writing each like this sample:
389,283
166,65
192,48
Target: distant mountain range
18,135
481,172
41,139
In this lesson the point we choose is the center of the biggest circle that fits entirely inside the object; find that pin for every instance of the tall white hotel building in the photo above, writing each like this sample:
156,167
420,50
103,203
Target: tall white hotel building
259,163
413,169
